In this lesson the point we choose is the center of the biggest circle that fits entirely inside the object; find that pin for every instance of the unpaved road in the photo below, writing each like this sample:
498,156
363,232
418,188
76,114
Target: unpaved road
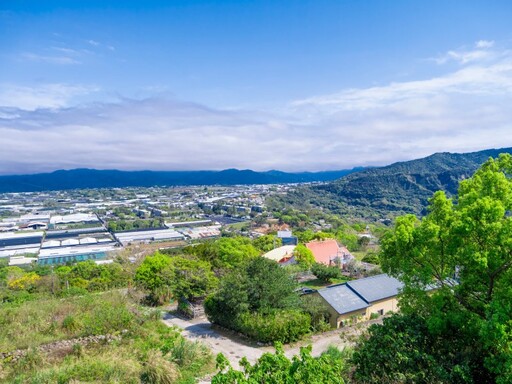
231,346
234,347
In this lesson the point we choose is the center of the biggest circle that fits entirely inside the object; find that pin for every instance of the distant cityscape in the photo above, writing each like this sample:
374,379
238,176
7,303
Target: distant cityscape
59,227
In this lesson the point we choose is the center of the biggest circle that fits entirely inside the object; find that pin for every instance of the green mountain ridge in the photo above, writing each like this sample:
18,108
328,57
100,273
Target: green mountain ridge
399,188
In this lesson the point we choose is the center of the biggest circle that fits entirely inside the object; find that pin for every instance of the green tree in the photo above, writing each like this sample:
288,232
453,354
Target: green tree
276,368
267,243
269,286
325,273
192,278
224,253
456,264
260,300
181,277
363,242
406,350
303,256
156,275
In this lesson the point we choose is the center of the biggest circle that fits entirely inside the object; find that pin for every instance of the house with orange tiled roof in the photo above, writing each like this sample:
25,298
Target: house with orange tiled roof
329,252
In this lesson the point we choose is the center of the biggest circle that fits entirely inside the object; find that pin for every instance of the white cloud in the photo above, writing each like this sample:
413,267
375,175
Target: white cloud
484,44
462,110
50,96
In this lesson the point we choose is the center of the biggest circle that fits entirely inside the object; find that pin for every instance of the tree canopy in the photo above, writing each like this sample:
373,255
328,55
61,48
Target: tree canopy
329,368
303,256
260,300
181,277
456,264
224,253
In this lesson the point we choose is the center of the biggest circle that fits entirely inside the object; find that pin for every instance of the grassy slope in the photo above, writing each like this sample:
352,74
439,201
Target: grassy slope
148,352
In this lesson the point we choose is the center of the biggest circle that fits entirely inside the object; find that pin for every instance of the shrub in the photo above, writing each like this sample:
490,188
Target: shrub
317,310
157,370
70,324
304,256
27,282
186,353
284,326
108,317
325,273
73,291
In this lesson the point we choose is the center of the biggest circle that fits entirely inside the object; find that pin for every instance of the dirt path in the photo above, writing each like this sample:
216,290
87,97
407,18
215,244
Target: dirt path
235,347
231,346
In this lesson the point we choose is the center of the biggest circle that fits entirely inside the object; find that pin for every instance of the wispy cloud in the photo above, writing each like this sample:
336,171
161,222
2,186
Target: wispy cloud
480,51
61,53
466,108
61,60
95,43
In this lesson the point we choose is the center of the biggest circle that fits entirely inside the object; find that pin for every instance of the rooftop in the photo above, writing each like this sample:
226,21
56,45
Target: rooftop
377,287
280,253
324,251
342,298
359,294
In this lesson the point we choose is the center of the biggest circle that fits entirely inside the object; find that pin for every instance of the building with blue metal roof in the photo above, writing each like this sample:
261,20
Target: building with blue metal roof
375,288
359,299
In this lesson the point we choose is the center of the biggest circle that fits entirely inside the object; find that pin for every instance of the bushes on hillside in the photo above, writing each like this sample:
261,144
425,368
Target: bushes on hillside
180,277
150,352
325,273
329,368
259,300
284,326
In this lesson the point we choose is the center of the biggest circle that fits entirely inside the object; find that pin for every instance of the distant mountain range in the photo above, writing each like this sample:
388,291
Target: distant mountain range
398,188
379,192
92,178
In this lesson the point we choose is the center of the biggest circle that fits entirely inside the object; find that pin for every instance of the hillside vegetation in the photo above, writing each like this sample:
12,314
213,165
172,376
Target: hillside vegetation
134,346
393,190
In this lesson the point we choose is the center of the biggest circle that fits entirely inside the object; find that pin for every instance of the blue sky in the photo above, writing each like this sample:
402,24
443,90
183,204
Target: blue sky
291,85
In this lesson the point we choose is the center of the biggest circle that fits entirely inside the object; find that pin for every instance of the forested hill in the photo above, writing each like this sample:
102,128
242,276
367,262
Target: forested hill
398,188
92,178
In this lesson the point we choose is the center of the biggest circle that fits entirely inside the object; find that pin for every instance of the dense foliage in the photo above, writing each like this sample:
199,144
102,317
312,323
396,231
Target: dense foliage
267,243
329,368
260,300
326,273
21,284
303,256
389,191
129,225
224,253
456,264
175,276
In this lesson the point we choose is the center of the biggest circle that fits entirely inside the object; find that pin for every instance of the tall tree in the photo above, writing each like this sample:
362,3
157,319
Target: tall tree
456,264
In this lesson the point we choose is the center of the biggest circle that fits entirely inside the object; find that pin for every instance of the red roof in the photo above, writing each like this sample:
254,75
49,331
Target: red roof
324,251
